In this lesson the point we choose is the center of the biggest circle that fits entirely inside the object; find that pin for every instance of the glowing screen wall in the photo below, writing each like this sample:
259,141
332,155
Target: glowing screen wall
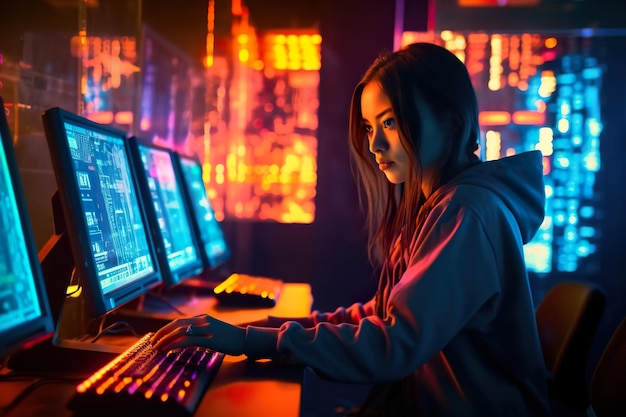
545,91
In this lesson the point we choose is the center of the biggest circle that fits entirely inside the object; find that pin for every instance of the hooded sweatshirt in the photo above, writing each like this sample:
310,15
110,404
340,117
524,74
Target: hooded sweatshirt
458,336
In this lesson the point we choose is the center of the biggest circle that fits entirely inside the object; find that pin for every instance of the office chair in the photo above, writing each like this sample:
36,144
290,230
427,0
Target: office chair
608,383
567,320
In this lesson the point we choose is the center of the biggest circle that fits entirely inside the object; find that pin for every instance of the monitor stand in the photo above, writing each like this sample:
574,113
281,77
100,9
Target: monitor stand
76,329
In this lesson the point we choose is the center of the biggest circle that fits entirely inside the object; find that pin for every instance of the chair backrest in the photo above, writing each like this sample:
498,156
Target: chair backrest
567,321
608,383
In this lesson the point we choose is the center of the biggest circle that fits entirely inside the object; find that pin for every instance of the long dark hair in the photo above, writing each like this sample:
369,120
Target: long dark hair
437,76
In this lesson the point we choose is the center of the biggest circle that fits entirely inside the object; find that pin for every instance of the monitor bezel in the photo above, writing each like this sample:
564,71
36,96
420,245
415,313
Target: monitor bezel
30,332
96,304
225,256
170,278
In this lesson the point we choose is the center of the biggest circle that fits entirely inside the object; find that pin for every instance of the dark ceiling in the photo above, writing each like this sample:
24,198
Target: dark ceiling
184,22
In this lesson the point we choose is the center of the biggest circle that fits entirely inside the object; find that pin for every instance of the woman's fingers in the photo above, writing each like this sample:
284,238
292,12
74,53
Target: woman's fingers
177,331
201,331
168,328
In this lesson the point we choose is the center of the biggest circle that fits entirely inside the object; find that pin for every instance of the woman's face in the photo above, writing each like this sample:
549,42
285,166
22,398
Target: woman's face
384,138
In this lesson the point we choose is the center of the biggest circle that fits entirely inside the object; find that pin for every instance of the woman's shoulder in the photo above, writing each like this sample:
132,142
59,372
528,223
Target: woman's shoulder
509,189
469,195
515,182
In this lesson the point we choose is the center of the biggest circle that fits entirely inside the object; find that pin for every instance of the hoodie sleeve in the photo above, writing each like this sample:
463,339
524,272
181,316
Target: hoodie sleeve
352,314
452,274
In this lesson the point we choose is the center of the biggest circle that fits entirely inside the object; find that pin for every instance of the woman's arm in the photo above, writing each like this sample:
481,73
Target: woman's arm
352,314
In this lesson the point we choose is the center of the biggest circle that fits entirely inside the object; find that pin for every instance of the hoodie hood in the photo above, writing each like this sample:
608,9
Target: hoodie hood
518,181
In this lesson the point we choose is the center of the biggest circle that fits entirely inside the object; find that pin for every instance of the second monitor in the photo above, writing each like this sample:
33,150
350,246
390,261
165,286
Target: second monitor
215,249
168,217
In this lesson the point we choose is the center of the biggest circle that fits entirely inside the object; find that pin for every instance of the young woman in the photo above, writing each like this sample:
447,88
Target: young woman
451,330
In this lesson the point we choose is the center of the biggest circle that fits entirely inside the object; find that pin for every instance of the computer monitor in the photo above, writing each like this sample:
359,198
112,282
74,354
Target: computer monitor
101,214
215,248
25,315
168,216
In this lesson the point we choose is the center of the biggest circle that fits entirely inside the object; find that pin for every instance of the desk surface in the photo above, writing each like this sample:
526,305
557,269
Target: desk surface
240,388
295,301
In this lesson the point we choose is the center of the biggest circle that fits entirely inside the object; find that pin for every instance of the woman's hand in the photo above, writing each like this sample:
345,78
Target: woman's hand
202,330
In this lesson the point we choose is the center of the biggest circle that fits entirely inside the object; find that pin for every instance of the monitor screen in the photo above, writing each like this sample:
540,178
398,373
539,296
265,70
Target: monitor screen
114,258
168,215
25,314
215,248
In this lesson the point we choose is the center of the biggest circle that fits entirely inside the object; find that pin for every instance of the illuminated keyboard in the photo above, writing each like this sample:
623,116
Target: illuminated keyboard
144,381
242,290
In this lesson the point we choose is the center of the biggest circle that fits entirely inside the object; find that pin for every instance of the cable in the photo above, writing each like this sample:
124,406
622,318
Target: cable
165,301
114,328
